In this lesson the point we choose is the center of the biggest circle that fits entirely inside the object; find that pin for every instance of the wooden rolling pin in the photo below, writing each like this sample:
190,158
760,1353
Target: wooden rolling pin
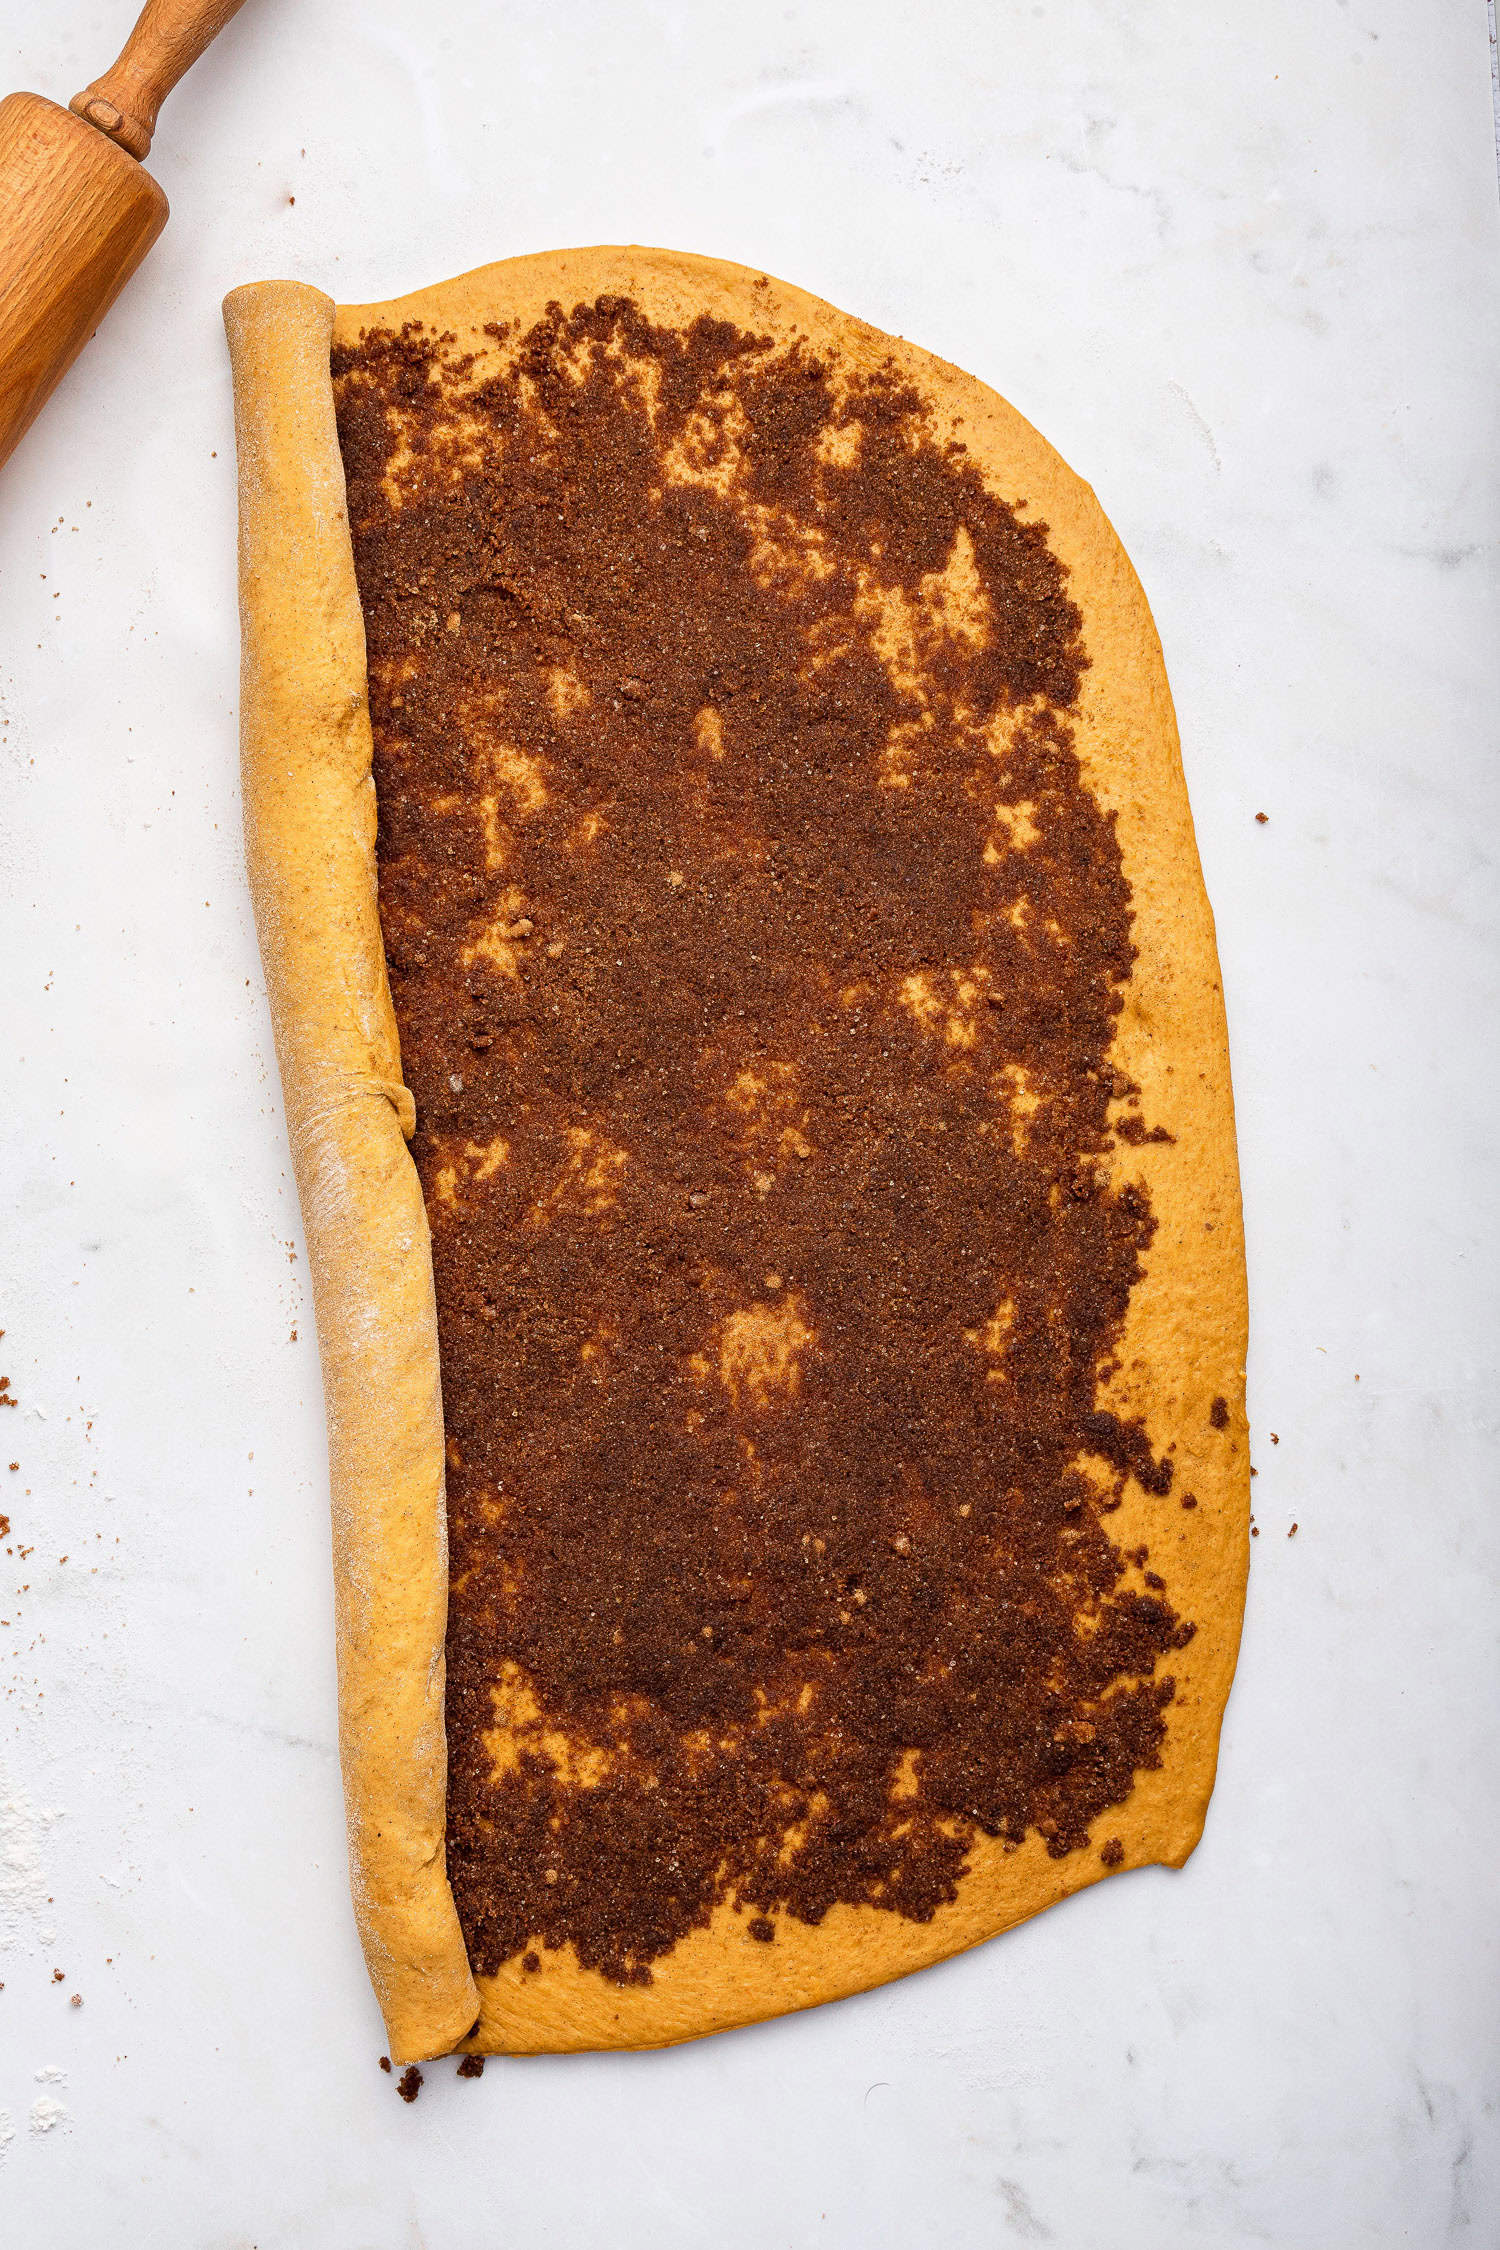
78,209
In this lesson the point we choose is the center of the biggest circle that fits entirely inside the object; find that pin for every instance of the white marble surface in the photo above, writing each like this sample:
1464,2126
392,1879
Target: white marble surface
1240,264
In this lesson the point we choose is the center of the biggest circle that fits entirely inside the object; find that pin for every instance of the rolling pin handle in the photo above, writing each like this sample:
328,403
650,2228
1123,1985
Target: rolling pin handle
168,38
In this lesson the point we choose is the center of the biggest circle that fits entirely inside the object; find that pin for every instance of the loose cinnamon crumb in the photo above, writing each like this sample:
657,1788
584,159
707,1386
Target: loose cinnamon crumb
409,2084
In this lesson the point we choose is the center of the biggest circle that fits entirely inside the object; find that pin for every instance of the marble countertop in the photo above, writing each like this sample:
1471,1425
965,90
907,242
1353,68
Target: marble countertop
1240,265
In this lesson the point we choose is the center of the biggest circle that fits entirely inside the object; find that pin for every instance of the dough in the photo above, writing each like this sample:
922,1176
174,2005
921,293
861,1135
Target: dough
815,1800
310,850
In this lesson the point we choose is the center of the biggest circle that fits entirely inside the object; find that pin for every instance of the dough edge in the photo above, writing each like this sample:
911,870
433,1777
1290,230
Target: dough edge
1188,1317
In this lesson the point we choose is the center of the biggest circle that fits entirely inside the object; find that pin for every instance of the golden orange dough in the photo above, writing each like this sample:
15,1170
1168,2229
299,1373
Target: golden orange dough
310,847
309,811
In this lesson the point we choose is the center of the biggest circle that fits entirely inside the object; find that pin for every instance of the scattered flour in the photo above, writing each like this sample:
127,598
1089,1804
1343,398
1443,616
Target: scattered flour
7,2133
45,2113
23,1878
50,2075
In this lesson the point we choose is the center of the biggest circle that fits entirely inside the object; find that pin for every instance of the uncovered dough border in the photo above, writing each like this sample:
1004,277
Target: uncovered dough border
310,846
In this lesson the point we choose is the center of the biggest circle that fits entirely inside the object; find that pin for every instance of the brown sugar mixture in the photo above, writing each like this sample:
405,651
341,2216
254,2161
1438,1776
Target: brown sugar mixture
756,948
